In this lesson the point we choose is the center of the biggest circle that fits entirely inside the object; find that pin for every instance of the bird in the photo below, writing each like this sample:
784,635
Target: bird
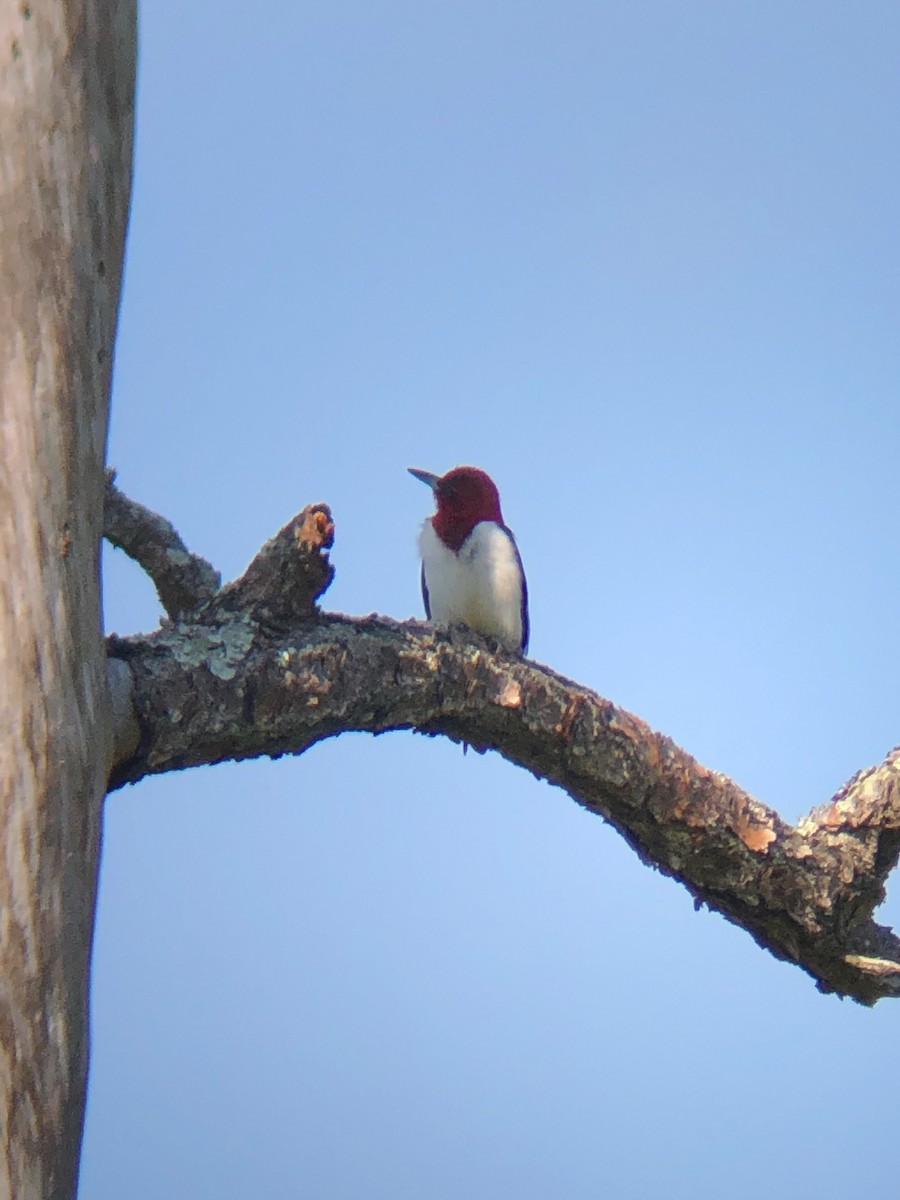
471,569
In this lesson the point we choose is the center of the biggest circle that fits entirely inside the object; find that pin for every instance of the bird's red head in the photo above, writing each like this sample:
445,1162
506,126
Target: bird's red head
464,496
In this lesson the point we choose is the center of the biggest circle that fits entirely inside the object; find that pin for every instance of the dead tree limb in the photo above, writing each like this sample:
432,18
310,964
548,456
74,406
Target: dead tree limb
260,671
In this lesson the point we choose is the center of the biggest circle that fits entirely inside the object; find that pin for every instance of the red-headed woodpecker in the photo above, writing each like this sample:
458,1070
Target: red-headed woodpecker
471,570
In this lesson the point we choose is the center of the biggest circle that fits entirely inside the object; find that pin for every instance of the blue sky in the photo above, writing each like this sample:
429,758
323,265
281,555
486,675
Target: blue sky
639,261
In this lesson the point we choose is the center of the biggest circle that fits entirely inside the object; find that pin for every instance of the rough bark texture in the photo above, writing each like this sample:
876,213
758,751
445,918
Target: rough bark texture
184,581
259,671
66,114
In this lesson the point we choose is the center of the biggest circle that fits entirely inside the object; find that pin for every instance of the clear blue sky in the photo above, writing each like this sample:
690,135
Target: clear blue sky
640,261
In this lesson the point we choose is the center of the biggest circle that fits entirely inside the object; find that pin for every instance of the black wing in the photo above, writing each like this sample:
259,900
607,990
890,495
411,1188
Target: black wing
425,594
526,629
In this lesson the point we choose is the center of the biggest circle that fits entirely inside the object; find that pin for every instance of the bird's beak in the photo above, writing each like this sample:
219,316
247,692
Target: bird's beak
426,477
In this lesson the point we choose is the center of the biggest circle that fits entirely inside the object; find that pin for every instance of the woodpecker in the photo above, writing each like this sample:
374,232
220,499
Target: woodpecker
471,570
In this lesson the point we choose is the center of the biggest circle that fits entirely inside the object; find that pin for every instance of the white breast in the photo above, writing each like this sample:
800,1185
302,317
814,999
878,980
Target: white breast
479,586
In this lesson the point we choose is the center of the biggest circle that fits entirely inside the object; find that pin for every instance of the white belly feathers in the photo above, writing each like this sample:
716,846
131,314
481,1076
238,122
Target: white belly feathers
479,586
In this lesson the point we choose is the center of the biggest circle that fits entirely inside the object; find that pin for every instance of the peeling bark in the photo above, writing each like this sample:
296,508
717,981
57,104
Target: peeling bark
245,677
66,96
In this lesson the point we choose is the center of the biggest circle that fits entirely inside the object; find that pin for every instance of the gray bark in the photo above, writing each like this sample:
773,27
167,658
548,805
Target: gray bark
66,116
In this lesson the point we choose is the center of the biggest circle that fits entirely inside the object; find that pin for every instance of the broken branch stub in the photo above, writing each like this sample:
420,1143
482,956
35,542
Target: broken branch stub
281,585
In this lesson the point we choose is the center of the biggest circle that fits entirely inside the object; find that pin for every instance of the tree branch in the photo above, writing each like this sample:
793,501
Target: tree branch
287,576
183,581
261,671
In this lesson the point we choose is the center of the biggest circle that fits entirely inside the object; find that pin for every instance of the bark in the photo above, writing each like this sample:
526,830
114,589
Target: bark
66,114
259,670
183,581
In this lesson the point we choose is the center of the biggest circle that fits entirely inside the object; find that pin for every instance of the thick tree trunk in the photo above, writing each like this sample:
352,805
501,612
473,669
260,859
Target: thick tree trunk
66,118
